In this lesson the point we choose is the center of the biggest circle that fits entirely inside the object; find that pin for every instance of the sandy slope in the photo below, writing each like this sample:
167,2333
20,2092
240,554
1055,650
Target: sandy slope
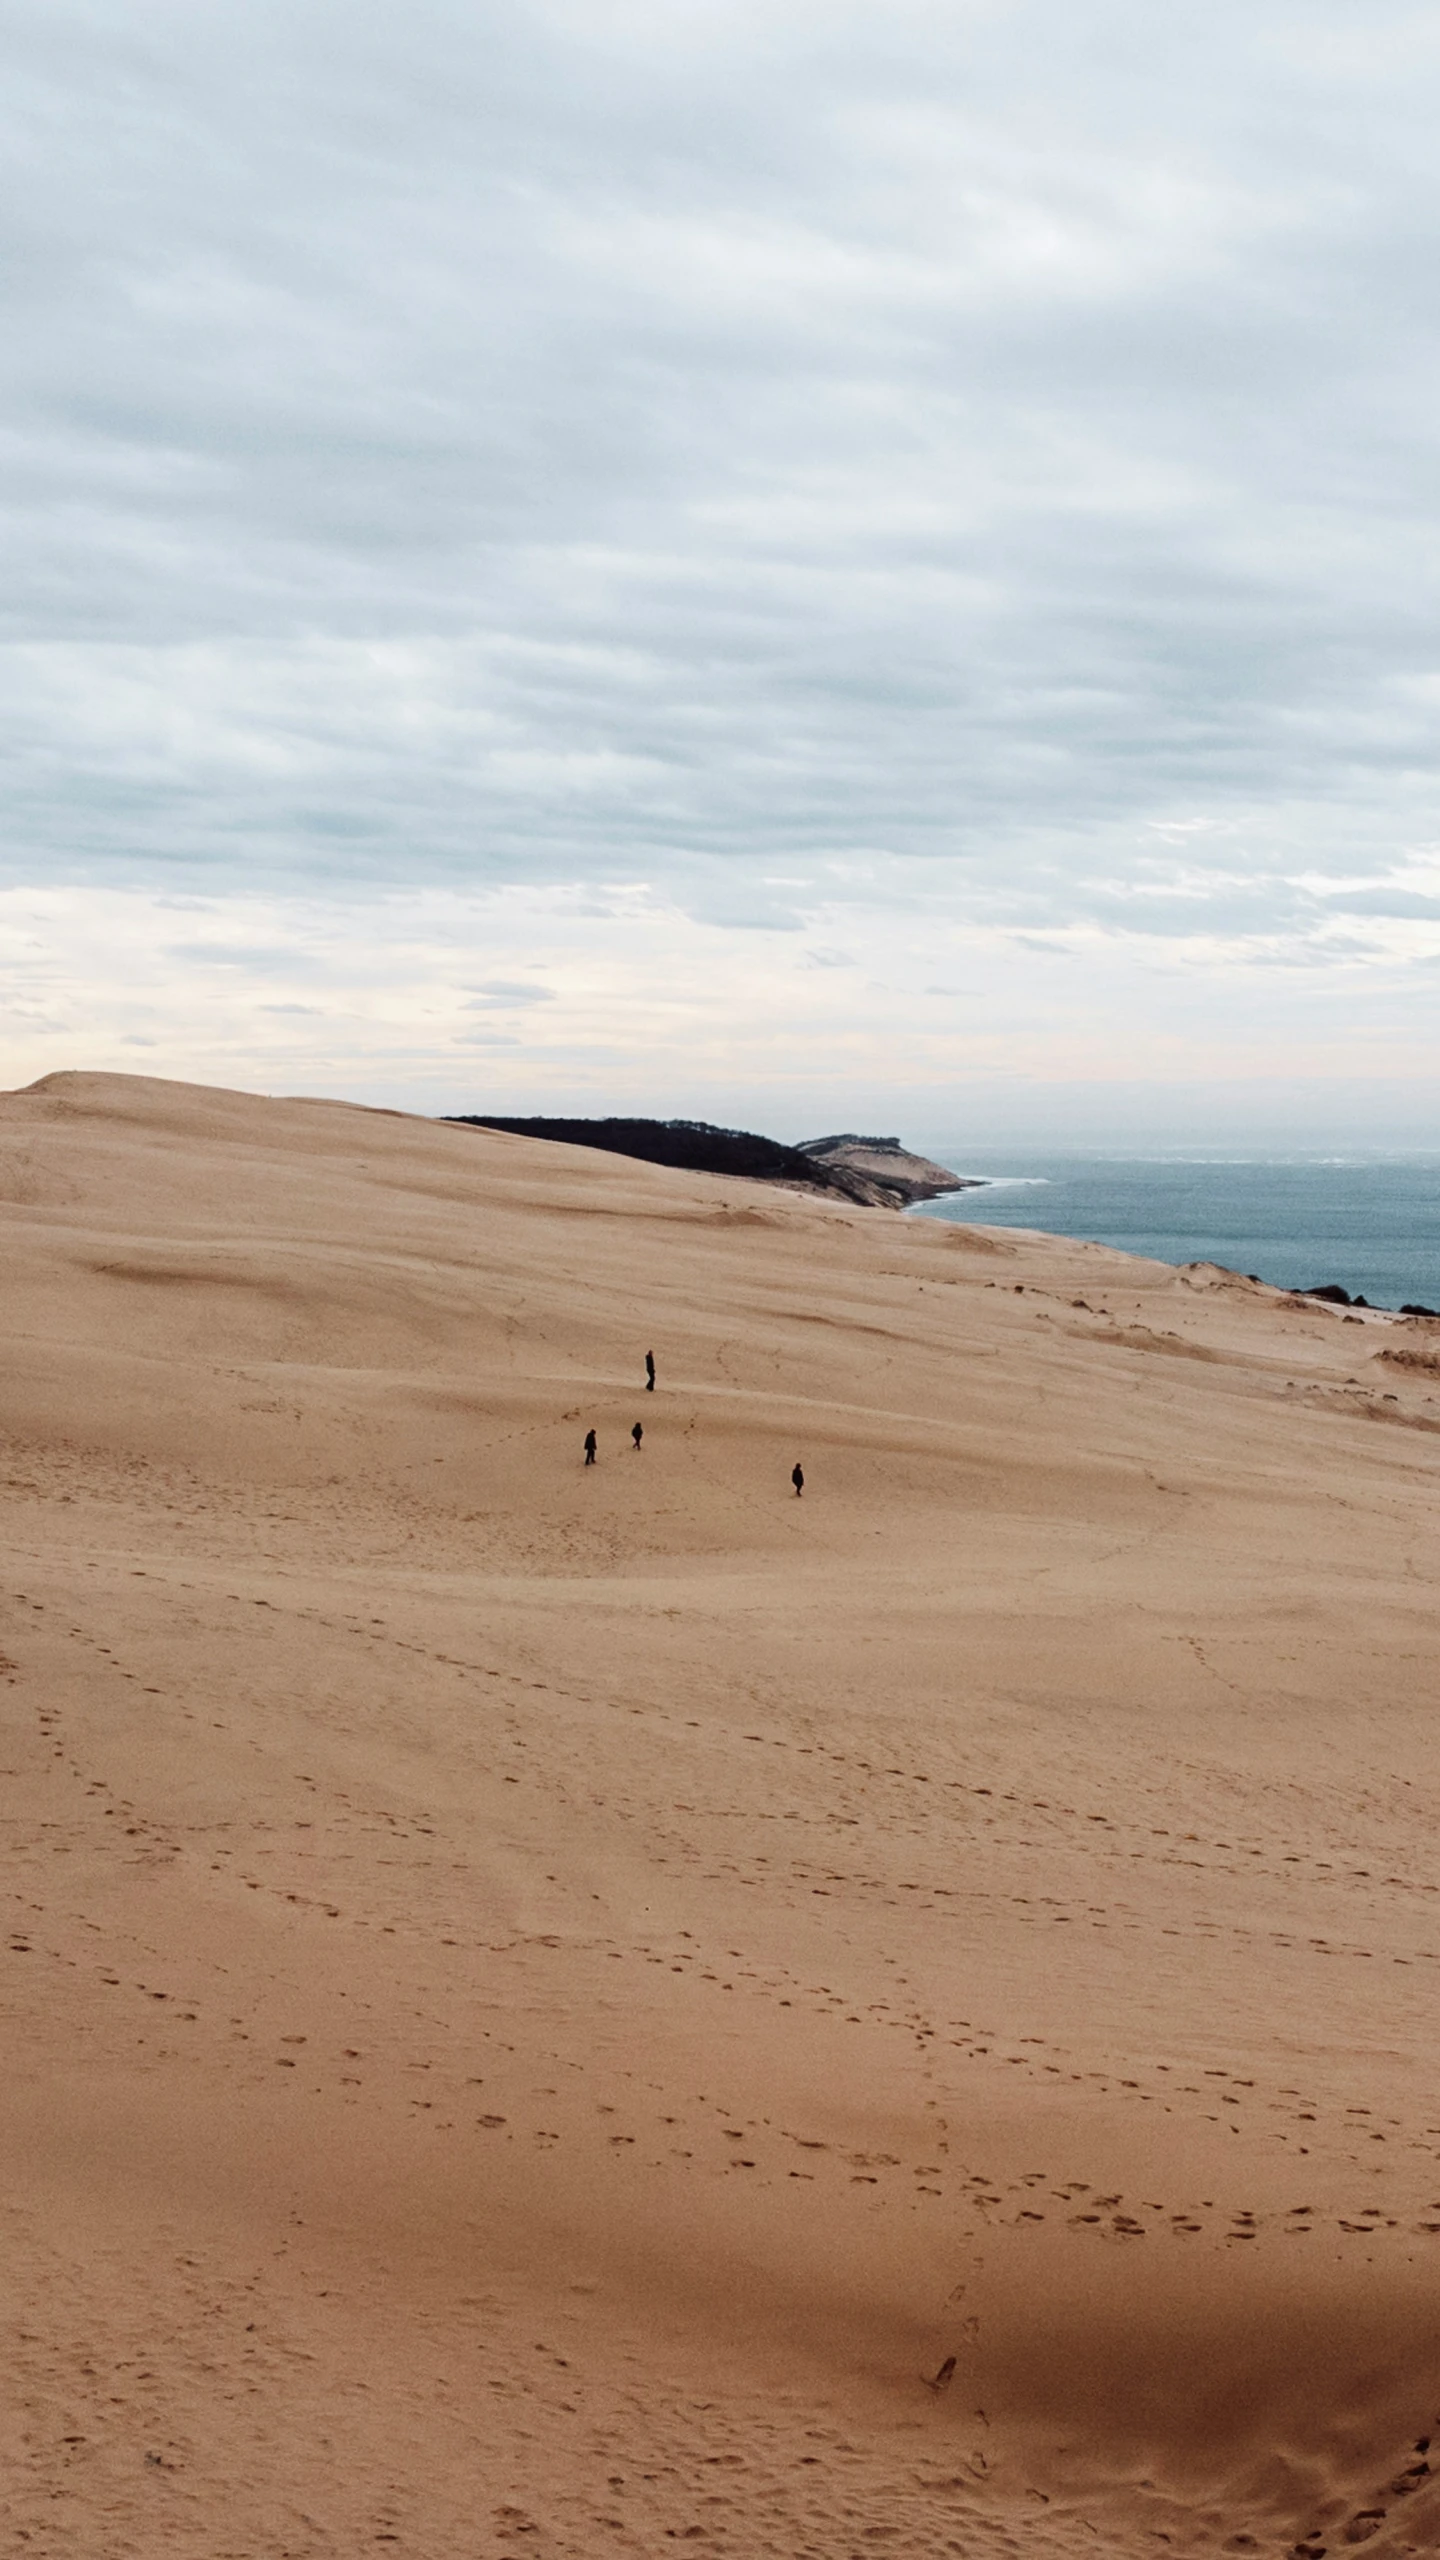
543,2002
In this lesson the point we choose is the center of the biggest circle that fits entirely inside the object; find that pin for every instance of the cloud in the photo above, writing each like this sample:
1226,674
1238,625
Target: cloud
783,466
506,995
1383,901
234,955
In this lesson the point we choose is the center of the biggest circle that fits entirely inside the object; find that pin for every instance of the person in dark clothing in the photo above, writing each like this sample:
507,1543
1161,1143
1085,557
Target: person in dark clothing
637,1433
650,1373
797,1478
589,1448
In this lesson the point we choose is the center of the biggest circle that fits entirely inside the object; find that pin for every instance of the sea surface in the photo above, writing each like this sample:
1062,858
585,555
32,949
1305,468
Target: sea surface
1372,1223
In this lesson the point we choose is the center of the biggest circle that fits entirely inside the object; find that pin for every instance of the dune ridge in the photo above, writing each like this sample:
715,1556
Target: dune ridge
557,2009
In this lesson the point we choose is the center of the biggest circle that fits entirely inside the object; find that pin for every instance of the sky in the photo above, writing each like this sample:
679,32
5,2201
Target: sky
803,565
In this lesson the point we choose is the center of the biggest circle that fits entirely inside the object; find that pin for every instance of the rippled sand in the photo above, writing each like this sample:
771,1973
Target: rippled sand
560,2010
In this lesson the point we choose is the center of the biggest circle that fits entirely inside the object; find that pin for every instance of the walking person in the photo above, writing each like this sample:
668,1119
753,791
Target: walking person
589,1448
649,1373
797,1478
637,1434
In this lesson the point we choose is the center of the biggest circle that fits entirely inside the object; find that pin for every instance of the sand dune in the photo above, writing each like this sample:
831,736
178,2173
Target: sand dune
545,2006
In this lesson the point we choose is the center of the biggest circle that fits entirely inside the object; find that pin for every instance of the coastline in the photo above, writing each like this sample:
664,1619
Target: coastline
1371,1227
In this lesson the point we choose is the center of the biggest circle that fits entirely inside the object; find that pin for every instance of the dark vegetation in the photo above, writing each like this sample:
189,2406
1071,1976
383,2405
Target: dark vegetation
694,1146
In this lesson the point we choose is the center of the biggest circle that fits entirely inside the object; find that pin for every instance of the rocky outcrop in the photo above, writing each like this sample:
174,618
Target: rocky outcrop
891,1177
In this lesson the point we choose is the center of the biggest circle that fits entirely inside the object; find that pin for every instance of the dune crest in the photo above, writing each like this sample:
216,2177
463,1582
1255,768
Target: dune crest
558,2008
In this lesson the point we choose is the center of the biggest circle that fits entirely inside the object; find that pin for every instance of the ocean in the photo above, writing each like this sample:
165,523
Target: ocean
1372,1223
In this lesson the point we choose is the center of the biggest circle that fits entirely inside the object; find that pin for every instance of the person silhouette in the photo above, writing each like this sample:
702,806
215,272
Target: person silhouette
797,1478
637,1434
649,1373
589,1448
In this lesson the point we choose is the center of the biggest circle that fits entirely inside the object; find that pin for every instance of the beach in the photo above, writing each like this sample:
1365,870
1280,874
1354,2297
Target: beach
553,2009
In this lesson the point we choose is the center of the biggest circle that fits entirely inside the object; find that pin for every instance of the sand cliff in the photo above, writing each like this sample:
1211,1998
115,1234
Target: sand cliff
884,1173
545,2006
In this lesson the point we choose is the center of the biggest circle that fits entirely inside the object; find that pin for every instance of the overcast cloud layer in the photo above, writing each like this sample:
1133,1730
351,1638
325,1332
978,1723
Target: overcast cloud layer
951,488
